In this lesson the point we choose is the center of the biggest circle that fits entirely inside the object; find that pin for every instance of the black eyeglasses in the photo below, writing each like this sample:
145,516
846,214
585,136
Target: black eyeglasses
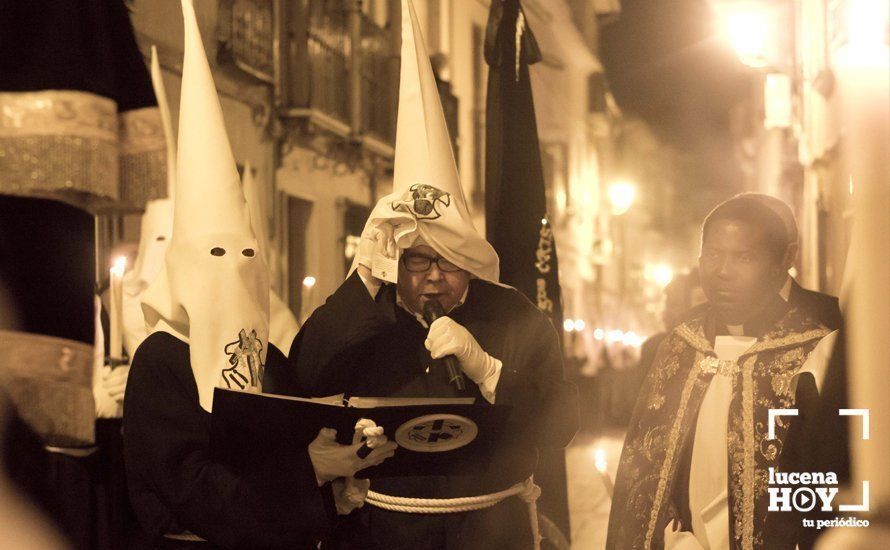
416,263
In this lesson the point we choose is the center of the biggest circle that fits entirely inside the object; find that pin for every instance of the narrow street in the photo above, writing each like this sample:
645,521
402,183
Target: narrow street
589,502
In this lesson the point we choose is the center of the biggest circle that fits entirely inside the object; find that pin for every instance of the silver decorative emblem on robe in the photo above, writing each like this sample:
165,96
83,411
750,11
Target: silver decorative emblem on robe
435,433
246,371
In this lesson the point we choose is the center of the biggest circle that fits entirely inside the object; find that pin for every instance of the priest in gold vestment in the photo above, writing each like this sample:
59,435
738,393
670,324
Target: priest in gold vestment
695,465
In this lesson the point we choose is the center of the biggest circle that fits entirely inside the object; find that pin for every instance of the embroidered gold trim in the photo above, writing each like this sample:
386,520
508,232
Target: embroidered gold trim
787,341
723,367
143,178
58,112
40,165
140,130
673,443
695,339
143,157
748,468
73,146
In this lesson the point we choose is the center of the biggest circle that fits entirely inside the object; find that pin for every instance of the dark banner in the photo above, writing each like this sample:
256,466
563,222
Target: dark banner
515,202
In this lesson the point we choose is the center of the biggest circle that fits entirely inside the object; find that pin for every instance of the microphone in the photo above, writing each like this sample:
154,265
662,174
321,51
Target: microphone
432,310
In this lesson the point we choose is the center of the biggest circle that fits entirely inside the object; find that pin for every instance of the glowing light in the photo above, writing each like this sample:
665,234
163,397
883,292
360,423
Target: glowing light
867,24
660,274
614,336
309,281
352,244
580,325
632,339
569,325
621,196
119,266
747,28
599,334
599,460
866,47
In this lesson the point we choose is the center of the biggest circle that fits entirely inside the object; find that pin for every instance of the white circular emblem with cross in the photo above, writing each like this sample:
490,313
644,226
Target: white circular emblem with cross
436,433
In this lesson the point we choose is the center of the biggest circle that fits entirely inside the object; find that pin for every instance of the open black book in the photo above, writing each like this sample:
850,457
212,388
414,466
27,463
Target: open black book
436,436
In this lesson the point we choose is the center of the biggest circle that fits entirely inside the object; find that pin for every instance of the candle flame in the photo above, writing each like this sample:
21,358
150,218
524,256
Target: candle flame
119,266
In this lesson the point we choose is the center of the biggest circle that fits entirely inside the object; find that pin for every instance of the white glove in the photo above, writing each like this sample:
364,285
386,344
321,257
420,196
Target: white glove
108,392
349,493
378,238
332,460
446,337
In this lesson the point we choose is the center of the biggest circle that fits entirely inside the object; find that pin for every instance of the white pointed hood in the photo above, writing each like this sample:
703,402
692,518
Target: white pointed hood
427,199
213,291
156,229
283,326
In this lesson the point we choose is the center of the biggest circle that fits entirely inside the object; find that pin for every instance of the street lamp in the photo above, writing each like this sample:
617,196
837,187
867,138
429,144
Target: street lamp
622,195
866,25
660,274
748,28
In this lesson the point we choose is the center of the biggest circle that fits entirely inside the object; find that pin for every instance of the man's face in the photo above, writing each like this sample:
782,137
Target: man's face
738,271
416,287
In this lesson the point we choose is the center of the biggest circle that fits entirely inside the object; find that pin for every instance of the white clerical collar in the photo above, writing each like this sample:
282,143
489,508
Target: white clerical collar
785,292
419,317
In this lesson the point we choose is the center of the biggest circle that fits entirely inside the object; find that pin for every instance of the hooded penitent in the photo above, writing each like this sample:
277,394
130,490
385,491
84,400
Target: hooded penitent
213,291
283,325
156,231
427,200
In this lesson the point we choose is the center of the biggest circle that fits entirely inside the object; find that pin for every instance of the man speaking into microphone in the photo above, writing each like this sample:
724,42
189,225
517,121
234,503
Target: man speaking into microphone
423,299
371,339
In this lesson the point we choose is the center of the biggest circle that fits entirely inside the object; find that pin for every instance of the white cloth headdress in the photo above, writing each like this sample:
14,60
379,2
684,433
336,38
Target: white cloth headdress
213,290
427,198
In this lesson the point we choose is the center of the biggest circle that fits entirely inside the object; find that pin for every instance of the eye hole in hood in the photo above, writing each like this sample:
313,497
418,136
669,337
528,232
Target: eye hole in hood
217,251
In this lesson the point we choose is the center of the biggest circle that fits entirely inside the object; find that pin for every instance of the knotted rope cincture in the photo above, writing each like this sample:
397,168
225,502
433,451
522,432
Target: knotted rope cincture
526,490
372,434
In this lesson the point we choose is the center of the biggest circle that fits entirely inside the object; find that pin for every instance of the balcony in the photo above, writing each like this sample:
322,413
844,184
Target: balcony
330,66
245,33
327,52
379,82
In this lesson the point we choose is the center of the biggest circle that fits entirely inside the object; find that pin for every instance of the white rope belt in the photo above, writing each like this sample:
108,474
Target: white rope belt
526,490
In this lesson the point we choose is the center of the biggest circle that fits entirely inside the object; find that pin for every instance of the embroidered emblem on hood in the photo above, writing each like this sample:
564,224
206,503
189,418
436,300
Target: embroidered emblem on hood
422,202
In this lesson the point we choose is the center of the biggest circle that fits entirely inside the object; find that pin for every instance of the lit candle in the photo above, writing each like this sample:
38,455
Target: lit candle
599,460
306,301
115,313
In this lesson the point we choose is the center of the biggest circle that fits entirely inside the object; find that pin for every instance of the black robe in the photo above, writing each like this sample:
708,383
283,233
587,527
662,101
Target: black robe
366,347
176,486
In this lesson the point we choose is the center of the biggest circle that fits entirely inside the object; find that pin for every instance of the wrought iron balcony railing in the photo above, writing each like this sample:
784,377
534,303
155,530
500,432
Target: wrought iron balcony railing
245,31
328,50
379,82
327,62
